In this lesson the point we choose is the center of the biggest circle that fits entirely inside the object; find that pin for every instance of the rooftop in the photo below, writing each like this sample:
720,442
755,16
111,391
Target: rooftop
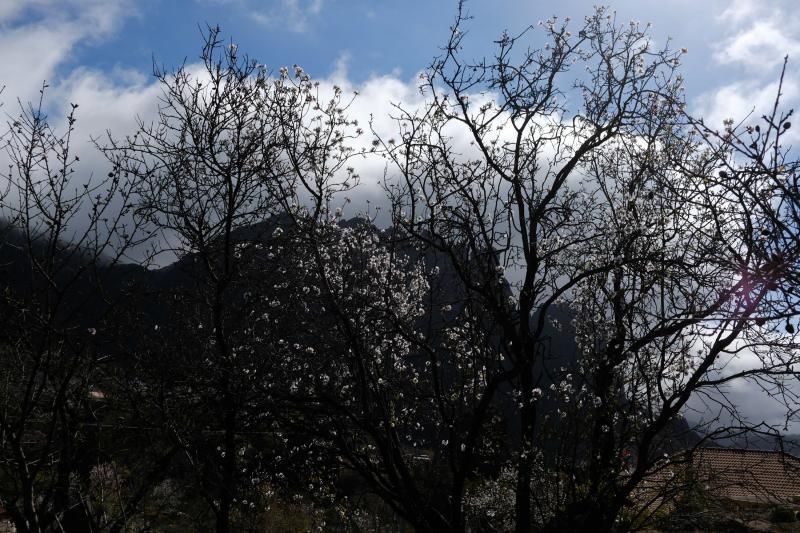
748,475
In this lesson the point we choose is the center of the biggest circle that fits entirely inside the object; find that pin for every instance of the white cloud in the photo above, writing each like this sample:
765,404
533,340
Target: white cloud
110,103
10,9
739,11
760,47
105,103
741,99
30,57
95,17
373,108
295,15
761,35
37,38
33,49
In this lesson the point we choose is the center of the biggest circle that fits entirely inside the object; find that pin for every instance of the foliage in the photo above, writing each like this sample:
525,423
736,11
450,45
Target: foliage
782,515
516,352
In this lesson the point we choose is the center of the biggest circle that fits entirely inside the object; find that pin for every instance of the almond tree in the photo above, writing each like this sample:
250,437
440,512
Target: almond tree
62,236
232,152
585,185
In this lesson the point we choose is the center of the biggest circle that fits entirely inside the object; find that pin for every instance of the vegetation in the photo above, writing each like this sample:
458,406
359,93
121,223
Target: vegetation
515,352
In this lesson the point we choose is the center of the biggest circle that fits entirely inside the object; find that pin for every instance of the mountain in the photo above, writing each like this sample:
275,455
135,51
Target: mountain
789,443
143,291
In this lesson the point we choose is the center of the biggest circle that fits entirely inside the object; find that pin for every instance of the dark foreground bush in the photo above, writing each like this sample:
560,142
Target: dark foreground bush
782,515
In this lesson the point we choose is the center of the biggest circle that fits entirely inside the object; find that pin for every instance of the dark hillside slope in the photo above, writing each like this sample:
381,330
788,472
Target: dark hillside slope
148,298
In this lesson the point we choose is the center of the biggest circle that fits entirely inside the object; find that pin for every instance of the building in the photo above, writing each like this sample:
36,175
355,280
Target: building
748,475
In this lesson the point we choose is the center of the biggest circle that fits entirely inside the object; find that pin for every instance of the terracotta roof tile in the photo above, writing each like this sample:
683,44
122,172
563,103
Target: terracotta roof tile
743,475
751,475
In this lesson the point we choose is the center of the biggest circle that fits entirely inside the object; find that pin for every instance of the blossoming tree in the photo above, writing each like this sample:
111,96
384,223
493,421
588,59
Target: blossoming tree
586,187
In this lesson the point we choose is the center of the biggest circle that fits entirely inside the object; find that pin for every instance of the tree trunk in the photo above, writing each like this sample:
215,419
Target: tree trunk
522,504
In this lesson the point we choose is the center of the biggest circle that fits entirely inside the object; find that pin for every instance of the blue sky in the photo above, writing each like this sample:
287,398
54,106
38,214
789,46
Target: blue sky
99,53
729,41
